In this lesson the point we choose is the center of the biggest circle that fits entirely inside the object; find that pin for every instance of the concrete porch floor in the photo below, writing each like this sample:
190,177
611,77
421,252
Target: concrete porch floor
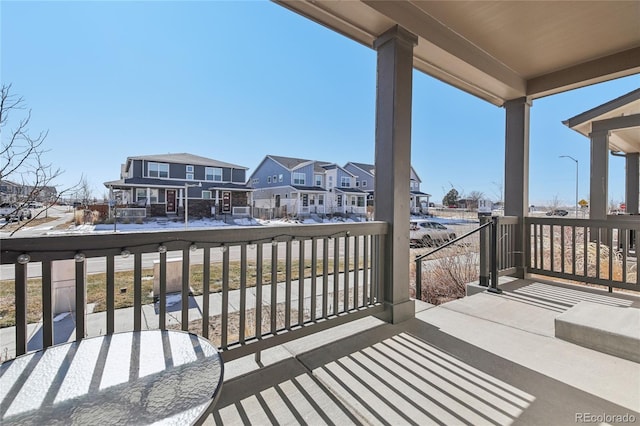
485,359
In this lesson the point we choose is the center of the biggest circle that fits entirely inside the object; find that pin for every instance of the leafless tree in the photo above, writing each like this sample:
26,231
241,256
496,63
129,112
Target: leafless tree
22,154
474,197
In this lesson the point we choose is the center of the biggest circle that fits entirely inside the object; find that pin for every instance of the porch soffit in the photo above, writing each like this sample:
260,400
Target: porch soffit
620,116
499,50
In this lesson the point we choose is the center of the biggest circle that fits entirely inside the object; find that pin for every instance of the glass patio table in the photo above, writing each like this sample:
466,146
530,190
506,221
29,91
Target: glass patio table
144,377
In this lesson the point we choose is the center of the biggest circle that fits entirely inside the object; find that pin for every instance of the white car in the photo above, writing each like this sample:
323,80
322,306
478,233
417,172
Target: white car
427,233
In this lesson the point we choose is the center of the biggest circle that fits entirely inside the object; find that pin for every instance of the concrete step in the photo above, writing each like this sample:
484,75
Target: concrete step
614,330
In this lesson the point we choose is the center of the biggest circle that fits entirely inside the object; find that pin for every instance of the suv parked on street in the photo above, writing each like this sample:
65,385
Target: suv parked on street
13,212
427,233
557,212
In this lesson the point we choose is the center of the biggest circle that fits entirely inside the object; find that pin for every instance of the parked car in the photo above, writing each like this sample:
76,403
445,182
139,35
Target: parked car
557,212
13,212
427,233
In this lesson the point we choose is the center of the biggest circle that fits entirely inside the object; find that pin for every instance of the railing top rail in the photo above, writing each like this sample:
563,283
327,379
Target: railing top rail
449,243
53,247
611,222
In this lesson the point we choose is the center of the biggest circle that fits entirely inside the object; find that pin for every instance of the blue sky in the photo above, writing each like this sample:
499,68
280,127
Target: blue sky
236,81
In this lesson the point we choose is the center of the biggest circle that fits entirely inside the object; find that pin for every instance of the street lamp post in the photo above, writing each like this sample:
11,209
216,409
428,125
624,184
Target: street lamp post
186,201
570,157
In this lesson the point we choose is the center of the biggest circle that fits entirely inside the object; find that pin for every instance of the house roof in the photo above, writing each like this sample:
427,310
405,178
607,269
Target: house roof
621,117
185,158
367,168
350,190
420,193
288,162
498,50
137,182
308,188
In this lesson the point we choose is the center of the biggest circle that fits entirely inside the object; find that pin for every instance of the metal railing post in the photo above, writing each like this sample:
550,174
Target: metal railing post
418,279
494,257
485,238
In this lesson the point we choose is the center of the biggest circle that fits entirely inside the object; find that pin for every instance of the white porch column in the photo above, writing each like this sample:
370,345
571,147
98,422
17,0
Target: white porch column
632,187
516,171
393,160
599,184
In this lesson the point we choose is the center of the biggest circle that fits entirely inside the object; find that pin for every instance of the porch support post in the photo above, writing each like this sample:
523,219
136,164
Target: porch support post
393,160
599,184
632,186
516,172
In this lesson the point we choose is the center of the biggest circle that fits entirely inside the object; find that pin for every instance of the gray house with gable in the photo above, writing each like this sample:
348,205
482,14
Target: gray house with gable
365,180
165,183
288,186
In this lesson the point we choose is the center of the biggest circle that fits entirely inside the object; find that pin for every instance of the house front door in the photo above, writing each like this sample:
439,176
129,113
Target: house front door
171,201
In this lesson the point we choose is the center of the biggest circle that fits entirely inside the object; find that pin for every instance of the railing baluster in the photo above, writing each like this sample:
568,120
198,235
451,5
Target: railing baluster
336,274
366,270
287,288
206,282
314,267
259,260
137,292
224,317
356,270
552,259
163,290
47,305
598,242
111,297
585,247
622,237
21,308
243,291
346,269
184,294
325,277
573,250
301,264
562,259
274,286
80,299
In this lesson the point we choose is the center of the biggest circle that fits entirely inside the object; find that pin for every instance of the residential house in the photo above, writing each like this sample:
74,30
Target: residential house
15,192
162,183
365,180
286,186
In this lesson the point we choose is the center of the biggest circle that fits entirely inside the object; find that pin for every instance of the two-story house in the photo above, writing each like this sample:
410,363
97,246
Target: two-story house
162,183
365,180
299,187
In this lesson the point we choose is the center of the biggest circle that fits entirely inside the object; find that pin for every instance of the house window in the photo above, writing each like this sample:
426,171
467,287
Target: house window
255,181
159,170
318,180
305,200
357,183
339,200
189,172
312,200
275,178
320,200
280,177
151,198
353,200
364,183
213,174
345,182
206,195
268,179
360,201
299,179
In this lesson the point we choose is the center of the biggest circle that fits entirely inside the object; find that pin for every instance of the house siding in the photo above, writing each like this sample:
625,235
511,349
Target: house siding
308,171
362,176
238,176
270,168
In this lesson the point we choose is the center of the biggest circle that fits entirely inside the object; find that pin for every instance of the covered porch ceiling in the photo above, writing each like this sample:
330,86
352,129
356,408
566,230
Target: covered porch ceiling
499,50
